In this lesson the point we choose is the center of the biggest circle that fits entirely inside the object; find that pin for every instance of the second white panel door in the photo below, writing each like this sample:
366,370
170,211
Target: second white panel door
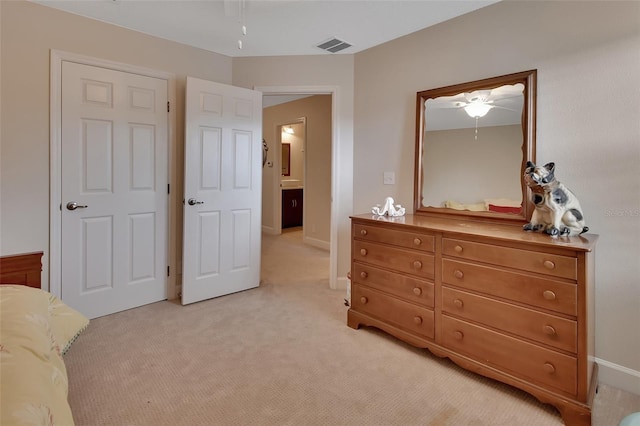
223,190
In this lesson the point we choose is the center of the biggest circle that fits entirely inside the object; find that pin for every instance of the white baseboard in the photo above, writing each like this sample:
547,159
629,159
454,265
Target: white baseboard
342,283
324,245
618,376
269,230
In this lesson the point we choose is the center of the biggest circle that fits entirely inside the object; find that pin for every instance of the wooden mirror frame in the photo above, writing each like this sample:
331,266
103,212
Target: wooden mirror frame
528,79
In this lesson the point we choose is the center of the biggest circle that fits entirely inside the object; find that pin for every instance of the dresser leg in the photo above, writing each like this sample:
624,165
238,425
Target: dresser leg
575,417
352,321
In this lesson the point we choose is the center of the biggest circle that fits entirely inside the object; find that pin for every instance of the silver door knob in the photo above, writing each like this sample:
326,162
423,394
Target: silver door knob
72,205
193,202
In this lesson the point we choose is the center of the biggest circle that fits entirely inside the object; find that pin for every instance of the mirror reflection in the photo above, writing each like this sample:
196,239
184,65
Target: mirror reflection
286,159
485,126
473,140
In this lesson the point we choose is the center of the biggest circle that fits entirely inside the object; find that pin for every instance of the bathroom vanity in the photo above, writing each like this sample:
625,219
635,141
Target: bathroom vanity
292,202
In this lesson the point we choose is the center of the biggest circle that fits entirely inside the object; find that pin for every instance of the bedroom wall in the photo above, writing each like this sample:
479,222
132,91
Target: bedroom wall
28,32
588,59
317,185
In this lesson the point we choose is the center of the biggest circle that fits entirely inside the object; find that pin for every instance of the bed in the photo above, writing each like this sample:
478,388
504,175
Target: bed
498,205
36,329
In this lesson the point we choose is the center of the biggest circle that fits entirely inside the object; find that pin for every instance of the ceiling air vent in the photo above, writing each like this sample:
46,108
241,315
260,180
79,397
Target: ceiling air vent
334,45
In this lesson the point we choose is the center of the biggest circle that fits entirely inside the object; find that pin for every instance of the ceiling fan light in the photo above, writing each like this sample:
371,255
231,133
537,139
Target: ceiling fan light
477,109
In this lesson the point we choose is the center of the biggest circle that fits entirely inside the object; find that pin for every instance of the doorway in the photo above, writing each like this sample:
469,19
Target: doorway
292,173
317,180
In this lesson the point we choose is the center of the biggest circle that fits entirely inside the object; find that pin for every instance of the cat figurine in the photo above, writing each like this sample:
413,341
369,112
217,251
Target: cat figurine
557,210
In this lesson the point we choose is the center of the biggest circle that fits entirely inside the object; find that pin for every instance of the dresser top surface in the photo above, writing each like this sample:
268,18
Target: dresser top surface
585,242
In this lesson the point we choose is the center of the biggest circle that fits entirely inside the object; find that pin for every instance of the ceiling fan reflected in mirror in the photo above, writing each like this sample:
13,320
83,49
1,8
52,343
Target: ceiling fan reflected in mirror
478,103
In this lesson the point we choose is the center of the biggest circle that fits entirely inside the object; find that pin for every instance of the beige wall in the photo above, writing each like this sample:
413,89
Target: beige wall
317,183
317,74
29,32
588,59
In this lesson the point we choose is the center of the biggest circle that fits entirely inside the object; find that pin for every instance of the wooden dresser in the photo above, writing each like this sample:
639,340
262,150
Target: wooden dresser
511,305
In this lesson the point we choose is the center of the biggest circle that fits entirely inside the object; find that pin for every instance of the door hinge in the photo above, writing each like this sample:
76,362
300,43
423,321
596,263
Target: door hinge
168,271
168,188
168,107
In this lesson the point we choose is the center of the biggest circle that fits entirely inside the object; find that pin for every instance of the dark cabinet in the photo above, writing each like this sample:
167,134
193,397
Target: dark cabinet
292,207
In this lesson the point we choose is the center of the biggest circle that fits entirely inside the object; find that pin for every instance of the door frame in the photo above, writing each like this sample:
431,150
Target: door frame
335,138
55,160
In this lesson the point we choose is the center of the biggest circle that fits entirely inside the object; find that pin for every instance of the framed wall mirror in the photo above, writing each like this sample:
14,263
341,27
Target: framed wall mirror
286,159
472,143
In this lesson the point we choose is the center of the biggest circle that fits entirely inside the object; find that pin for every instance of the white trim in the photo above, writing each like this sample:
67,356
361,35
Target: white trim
314,242
269,230
343,284
335,142
618,376
55,202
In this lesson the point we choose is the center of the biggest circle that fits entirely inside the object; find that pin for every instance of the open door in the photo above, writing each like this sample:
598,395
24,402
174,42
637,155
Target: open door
223,190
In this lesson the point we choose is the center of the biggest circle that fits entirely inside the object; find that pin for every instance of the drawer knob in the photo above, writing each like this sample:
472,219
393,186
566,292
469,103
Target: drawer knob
549,295
417,291
363,274
363,252
549,330
458,274
458,249
458,303
417,241
363,232
417,264
417,320
549,264
364,300
458,335
549,368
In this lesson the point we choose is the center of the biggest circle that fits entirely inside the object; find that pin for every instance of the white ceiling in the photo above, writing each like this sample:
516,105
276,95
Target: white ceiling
274,27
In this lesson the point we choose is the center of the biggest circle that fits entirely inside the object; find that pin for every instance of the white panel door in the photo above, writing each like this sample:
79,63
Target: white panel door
223,190
114,178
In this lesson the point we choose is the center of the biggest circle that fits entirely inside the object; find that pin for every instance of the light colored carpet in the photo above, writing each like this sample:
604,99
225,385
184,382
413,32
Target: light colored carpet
282,354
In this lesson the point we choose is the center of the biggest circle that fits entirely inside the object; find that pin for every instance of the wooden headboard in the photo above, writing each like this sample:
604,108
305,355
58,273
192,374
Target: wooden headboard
25,269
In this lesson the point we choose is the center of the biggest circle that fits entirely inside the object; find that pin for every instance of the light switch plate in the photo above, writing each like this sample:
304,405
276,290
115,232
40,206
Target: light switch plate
389,178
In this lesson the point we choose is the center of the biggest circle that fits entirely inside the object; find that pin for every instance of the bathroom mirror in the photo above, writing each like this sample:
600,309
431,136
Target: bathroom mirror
472,143
286,159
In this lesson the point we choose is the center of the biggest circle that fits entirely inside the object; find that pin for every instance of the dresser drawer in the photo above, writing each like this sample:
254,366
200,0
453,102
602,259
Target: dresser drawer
551,330
408,316
403,286
528,289
409,261
523,359
533,261
417,241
